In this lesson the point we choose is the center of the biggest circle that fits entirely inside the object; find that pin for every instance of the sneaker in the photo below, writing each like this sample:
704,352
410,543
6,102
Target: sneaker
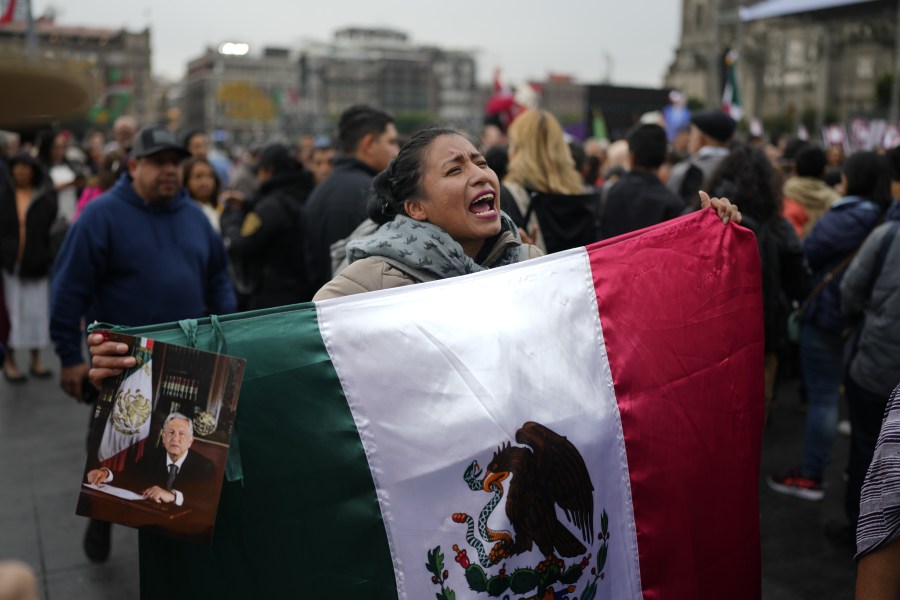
793,483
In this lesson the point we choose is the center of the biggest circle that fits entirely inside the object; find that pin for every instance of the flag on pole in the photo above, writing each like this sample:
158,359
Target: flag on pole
7,15
600,131
731,96
129,416
584,424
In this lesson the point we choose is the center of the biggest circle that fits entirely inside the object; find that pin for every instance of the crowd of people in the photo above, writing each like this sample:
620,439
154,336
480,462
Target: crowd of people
154,227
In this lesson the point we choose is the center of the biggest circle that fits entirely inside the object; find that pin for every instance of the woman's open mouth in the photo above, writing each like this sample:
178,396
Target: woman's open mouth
484,205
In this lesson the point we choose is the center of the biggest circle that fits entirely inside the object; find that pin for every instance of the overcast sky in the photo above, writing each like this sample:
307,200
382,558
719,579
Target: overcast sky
636,39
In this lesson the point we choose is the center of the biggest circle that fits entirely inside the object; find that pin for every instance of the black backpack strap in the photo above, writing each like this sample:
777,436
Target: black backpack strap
691,184
532,202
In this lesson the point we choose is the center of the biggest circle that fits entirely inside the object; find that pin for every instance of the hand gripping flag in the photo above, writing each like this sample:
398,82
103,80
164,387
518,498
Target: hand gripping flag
587,424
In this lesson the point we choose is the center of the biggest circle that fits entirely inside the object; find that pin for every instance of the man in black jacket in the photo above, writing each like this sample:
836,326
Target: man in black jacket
266,240
639,199
367,140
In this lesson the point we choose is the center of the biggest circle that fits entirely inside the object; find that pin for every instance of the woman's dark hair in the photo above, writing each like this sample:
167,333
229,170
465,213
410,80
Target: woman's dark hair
810,162
832,177
190,164
748,179
45,146
497,159
37,169
868,175
402,179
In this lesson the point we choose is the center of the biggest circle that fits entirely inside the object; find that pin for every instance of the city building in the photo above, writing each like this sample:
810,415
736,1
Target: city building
812,61
416,83
240,96
562,96
114,63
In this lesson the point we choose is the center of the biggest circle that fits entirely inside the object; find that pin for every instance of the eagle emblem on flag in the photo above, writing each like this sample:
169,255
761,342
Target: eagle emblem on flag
548,472
130,411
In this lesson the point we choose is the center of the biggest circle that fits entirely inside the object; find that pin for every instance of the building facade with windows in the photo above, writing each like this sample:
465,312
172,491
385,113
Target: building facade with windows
417,84
242,98
823,60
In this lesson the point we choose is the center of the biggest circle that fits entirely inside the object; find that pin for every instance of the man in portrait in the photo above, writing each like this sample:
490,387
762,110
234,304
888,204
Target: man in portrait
172,475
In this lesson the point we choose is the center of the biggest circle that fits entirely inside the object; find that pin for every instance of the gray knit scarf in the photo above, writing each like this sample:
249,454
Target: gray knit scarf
426,247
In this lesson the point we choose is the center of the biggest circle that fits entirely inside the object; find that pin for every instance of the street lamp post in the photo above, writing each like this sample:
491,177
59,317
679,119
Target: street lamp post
30,34
895,87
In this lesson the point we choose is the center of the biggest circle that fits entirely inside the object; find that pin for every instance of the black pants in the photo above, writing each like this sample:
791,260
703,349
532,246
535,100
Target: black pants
866,412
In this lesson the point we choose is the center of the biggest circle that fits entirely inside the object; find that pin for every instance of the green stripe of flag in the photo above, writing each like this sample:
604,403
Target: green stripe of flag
304,469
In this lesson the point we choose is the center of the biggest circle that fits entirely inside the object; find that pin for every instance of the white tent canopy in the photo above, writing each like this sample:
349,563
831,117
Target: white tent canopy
780,8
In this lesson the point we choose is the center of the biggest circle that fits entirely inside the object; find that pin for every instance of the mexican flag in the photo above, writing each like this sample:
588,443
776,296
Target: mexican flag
731,95
7,15
132,403
587,424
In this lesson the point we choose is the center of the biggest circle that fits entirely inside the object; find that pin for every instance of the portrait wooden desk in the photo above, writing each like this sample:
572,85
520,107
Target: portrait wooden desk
183,521
134,513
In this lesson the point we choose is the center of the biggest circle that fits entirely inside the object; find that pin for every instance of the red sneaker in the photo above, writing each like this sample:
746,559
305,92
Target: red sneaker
793,483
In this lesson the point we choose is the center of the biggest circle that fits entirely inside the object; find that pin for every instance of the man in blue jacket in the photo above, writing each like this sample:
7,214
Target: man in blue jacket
142,253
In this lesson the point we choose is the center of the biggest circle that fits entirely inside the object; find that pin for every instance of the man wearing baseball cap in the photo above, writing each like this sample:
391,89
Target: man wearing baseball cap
141,253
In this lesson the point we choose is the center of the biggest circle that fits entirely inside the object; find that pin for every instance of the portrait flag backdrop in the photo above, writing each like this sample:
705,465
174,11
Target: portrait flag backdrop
129,419
587,424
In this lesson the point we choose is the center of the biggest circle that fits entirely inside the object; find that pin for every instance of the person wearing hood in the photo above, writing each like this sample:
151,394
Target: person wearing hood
28,207
267,240
142,253
806,195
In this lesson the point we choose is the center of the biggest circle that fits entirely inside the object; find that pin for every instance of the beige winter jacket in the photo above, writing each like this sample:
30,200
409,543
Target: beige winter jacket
377,273
814,195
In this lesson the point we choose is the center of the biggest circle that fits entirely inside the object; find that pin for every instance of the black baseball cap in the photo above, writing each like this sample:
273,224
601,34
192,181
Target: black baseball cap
714,123
151,140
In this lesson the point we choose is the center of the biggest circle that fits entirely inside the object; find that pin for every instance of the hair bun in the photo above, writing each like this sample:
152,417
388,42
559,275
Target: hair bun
381,202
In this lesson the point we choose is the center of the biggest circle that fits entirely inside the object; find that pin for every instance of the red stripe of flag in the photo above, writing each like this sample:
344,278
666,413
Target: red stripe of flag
687,365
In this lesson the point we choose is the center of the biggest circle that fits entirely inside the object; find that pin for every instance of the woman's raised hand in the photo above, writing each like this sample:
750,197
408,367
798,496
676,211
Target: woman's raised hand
725,209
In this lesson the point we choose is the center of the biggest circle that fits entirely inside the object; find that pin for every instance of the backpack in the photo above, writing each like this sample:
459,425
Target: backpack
566,221
689,190
338,249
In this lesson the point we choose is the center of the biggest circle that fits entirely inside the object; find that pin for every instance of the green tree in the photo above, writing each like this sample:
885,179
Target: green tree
778,125
694,103
408,123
